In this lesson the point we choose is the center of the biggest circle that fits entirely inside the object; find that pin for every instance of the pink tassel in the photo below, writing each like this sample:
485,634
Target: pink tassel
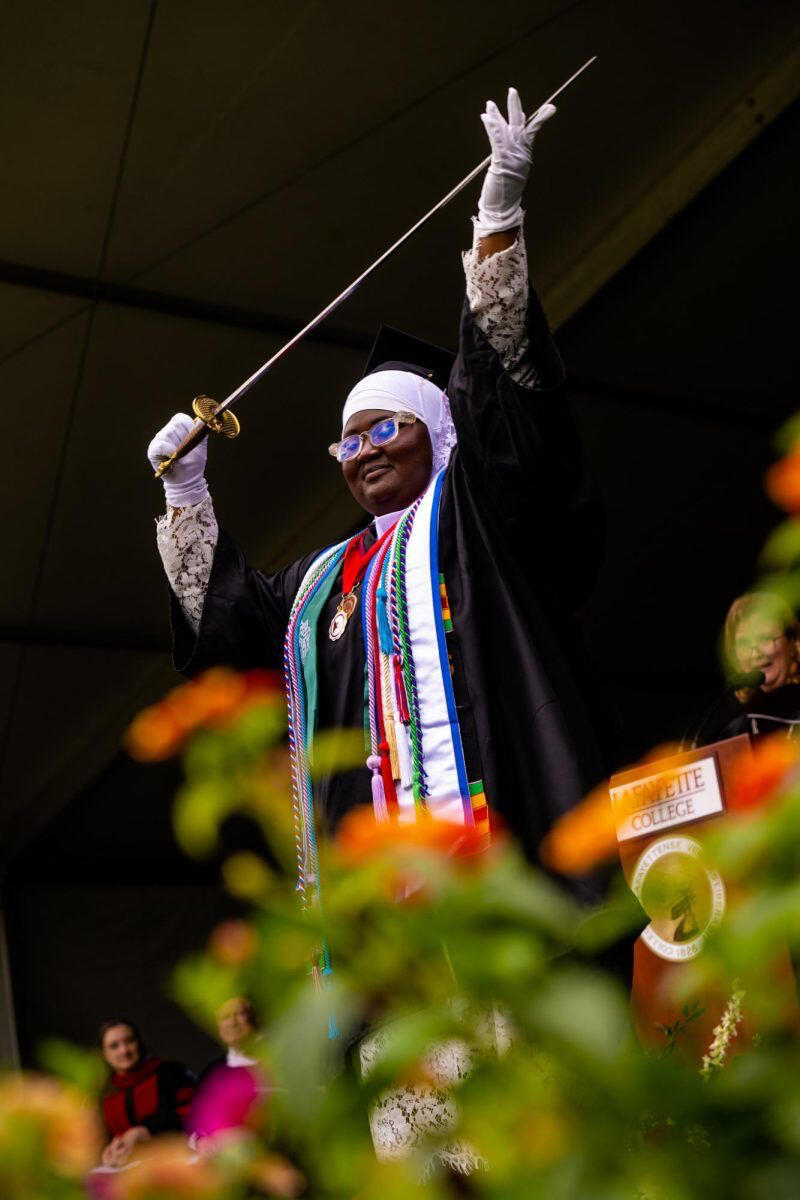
378,793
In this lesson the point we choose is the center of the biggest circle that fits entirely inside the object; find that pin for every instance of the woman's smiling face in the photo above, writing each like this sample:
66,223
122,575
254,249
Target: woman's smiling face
762,645
388,478
121,1048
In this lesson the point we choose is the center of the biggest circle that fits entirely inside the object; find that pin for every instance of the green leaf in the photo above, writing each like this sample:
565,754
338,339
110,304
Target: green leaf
582,1009
783,545
337,750
788,435
84,1068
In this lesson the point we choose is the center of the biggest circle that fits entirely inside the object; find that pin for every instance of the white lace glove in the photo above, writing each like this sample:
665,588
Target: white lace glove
512,145
184,483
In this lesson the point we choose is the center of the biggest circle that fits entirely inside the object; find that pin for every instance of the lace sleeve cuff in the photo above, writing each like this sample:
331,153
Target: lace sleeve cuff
497,291
186,545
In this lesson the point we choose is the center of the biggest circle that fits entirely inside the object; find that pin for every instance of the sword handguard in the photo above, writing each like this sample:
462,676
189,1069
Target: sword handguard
204,408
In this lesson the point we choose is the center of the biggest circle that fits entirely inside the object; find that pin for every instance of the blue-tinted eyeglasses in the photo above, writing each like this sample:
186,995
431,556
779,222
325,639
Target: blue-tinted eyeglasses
383,431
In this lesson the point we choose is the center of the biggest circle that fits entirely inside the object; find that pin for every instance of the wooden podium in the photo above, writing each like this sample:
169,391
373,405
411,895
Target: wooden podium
662,811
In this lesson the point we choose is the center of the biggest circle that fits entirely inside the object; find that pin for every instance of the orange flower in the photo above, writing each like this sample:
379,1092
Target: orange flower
167,1169
587,835
583,837
759,771
276,1176
68,1129
361,838
233,942
783,482
153,735
215,698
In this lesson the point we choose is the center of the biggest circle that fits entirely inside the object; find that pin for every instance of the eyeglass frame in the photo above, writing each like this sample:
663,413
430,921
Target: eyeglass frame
403,417
767,642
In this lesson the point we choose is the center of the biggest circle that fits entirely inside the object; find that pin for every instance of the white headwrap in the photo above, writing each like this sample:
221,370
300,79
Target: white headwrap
403,391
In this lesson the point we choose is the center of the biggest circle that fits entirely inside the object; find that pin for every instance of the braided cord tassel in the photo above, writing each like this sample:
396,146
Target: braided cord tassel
419,782
370,622
302,793
302,788
386,651
397,648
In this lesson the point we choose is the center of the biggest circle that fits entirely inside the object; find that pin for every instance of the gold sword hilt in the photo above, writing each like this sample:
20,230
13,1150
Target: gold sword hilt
205,409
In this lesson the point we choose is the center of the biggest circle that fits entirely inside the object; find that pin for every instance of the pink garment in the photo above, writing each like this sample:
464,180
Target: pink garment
223,1100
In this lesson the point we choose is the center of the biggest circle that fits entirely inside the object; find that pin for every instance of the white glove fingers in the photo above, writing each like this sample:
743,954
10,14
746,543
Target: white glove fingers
494,131
494,116
538,119
516,117
169,438
499,207
179,425
489,124
159,449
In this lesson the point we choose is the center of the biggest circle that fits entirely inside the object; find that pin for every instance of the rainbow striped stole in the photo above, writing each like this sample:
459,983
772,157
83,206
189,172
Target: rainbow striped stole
415,756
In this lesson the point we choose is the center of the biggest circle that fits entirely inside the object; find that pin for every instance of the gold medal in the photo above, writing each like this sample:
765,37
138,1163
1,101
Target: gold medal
345,610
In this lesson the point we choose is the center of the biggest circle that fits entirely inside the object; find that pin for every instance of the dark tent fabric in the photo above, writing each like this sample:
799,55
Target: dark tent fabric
161,239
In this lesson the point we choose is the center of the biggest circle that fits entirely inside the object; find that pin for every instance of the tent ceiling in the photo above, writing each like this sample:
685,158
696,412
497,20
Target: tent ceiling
259,156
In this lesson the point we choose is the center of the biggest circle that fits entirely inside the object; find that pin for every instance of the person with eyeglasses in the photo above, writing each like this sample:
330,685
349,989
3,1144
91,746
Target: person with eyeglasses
445,627
761,646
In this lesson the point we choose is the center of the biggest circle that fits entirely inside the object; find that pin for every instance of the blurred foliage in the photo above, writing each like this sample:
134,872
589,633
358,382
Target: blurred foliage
49,1138
435,945
84,1069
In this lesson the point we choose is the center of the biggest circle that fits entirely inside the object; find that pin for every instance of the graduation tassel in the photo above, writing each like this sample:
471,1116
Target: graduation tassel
400,691
333,1028
321,979
378,794
391,740
388,715
384,632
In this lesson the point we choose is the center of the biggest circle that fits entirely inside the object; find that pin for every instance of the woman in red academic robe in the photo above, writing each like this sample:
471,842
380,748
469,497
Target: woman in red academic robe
145,1095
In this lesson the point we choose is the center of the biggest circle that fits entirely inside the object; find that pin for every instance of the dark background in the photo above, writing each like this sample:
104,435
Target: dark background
183,185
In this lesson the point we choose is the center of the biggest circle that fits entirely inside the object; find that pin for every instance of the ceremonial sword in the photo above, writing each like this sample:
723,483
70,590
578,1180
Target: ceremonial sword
217,418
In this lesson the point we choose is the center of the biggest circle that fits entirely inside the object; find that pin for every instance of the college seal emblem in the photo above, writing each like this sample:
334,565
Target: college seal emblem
681,895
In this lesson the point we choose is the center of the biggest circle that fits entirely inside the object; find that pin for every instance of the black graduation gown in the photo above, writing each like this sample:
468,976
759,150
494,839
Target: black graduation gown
763,713
521,537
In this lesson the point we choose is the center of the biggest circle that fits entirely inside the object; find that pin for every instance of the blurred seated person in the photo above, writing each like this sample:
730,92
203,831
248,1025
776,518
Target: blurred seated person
762,649
145,1095
230,1085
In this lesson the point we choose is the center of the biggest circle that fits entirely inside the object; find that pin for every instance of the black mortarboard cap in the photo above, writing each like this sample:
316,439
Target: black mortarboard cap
396,351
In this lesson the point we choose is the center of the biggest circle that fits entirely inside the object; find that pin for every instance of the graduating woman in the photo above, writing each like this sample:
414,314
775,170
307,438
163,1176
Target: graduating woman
453,609
455,604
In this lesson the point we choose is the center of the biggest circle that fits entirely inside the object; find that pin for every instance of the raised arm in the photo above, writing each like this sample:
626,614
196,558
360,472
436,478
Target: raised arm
223,612
496,267
516,439
187,533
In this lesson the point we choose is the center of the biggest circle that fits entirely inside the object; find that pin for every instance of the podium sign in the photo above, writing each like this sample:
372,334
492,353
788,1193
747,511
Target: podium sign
662,810
673,795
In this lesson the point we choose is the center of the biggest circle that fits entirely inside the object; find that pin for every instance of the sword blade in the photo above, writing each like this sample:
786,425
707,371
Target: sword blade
200,428
567,82
351,287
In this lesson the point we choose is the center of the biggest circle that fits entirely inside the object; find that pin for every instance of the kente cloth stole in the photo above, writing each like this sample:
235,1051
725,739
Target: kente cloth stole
416,757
